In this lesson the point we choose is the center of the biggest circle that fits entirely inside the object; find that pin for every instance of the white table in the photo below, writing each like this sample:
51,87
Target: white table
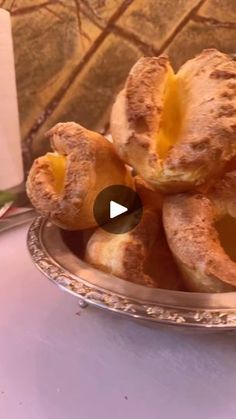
58,361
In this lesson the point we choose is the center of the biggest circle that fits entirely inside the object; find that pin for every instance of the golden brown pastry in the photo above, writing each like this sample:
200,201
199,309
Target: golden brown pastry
63,185
124,255
148,195
140,256
201,231
177,130
161,265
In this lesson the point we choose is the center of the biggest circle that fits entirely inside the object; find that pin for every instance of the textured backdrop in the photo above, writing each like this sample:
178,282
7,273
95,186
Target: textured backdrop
73,56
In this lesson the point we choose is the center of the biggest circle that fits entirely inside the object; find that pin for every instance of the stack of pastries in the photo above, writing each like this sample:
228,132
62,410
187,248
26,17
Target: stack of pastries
177,131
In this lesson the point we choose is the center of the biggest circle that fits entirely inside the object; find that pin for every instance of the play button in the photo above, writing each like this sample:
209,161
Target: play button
117,209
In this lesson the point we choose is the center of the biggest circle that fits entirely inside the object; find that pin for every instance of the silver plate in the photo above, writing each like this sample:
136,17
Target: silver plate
53,256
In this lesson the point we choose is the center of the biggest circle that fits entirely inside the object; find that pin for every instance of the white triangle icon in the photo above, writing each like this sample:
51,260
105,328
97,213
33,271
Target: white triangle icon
116,209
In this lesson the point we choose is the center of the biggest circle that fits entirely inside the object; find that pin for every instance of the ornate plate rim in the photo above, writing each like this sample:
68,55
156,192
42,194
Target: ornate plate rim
221,318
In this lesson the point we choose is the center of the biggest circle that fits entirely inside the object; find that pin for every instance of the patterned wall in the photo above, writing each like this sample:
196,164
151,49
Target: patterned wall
73,56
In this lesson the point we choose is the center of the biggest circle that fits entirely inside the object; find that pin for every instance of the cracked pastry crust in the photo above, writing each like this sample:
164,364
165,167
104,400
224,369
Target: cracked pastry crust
124,255
140,256
64,184
177,130
190,222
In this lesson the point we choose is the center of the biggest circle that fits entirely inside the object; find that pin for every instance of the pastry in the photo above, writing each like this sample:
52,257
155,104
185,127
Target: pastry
149,196
124,255
177,130
64,184
140,256
201,233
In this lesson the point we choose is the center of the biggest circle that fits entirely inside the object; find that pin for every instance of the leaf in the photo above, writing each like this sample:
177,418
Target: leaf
6,197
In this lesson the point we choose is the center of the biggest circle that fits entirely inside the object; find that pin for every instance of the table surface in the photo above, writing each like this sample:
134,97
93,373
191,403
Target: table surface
58,361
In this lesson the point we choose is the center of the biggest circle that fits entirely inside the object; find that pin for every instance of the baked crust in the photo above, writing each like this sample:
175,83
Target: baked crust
207,137
91,164
148,195
124,255
190,225
140,256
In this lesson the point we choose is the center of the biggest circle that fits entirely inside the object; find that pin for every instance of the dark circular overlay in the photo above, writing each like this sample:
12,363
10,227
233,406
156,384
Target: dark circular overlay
124,196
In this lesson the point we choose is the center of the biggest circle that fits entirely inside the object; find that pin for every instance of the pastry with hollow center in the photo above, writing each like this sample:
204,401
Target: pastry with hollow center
201,231
64,184
177,130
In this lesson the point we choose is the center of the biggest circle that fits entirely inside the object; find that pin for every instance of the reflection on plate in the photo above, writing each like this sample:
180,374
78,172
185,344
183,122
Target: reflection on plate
59,257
